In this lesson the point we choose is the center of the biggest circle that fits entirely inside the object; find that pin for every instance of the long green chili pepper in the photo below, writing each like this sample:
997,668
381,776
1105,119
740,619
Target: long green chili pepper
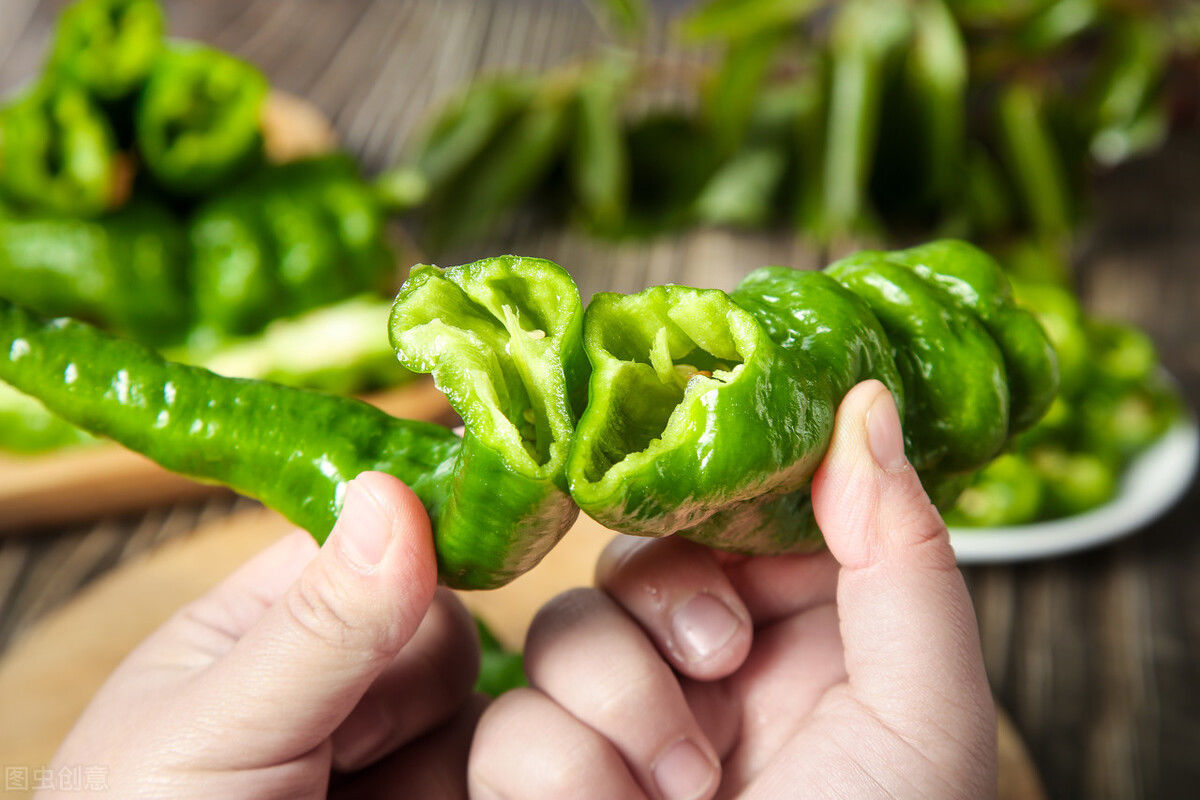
58,154
737,19
708,413
729,96
198,118
1034,160
505,171
597,158
1127,112
501,337
867,36
108,46
122,270
921,145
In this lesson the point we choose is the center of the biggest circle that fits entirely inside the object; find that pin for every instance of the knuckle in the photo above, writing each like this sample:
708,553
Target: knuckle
323,608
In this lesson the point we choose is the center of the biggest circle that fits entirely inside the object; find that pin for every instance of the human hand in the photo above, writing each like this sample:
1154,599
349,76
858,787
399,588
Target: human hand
854,672
346,658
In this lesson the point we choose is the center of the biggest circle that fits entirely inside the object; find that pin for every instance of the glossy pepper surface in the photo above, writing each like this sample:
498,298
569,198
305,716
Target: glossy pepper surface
108,46
197,120
58,154
124,270
289,238
496,496
708,413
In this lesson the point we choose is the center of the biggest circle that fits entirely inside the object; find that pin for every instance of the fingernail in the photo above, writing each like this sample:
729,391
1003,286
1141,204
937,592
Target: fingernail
363,530
703,625
683,773
884,435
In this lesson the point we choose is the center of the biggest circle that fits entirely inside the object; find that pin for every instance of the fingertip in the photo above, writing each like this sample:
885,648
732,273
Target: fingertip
679,594
409,526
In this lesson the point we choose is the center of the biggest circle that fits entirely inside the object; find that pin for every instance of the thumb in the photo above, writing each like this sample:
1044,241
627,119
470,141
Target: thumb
307,662
908,628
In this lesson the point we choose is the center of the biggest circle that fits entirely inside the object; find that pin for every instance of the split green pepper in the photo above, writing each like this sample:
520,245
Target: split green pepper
708,414
289,238
58,154
108,46
198,118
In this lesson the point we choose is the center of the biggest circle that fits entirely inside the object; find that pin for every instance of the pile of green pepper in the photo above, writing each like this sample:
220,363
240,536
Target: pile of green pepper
1114,402
135,194
870,116
674,410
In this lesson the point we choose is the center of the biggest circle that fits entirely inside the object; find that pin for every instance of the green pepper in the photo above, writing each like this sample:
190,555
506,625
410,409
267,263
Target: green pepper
1006,492
58,154
499,669
708,413
26,427
198,118
1034,160
340,348
1060,316
738,19
597,158
290,238
505,171
866,38
124,270
501,337
729,96
921,150
108,46
1073,482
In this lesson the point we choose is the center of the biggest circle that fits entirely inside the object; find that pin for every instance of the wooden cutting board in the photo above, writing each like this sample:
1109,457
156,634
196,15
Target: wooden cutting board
50,673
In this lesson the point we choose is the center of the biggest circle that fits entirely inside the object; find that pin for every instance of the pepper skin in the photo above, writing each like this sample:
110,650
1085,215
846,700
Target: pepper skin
108,46
654,454
290,238
58,154
123,270
197,120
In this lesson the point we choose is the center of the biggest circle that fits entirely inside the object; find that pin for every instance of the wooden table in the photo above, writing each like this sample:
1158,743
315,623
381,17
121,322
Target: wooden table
1097,656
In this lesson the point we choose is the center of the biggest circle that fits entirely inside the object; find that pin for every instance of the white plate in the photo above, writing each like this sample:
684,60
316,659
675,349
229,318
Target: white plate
1153,482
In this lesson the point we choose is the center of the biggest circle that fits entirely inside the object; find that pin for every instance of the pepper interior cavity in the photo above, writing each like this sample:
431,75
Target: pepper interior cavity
491,334
655,355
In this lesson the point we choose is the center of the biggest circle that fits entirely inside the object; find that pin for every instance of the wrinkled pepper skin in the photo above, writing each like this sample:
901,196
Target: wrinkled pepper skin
288,239
501,338
123,270
197,120
58,154
108,46
649,454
